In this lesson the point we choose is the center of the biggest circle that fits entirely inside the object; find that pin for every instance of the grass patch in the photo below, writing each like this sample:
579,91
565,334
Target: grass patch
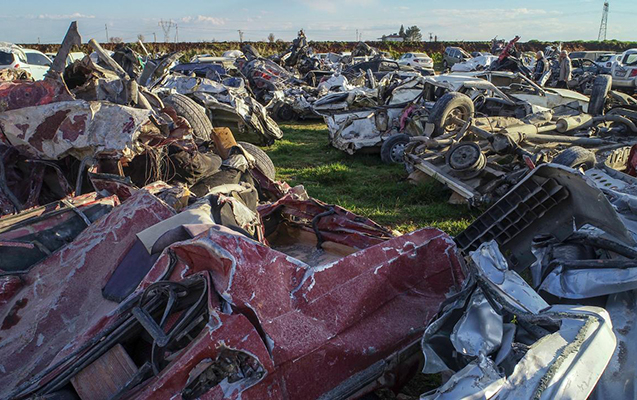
362,183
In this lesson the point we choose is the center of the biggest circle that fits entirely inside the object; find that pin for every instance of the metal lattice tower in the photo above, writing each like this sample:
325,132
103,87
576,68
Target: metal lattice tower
166,26
602,27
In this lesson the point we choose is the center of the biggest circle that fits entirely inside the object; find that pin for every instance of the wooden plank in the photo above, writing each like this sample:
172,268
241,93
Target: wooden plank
105,376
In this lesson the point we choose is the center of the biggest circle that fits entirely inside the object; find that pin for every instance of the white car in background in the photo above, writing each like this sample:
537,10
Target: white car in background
421,60
32,61
624,71
12,56
38,63
606,61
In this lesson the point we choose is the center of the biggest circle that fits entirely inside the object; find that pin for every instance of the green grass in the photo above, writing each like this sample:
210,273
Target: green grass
362,183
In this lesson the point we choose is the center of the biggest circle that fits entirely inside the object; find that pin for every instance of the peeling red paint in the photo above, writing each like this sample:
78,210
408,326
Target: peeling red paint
20,94
12,318
47,130
71,130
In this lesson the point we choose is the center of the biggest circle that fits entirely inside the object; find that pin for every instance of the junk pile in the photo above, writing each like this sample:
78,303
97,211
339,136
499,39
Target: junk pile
478,128
564,331
482,157
290,83
146,254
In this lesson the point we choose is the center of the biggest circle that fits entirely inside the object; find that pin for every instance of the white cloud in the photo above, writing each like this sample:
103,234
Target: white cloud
333,6
204,19
76,15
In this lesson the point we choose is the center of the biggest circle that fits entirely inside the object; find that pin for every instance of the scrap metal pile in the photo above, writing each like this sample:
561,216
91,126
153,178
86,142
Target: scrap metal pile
290,84
146,254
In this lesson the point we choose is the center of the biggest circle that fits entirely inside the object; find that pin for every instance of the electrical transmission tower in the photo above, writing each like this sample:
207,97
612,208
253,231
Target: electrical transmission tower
602,27
166,26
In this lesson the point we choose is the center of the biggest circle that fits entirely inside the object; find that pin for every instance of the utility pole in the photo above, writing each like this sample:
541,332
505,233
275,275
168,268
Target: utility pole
603,25
106,29
240,36
357,35
176,33
431,36
154,38
166,26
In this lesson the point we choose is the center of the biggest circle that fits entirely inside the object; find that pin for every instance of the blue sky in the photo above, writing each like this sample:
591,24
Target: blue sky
199,20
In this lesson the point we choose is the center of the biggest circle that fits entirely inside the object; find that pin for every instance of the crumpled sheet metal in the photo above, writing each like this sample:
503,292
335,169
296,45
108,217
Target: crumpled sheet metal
480,328
619,380
518,216
340,226
563,365
234,332
492,268
589,282
14,95
355,130
578,352
478,380
78,128
236,100
62,296
566,363
335,320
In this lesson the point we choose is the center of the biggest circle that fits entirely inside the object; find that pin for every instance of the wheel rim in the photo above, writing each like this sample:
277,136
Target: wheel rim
397,152
449,124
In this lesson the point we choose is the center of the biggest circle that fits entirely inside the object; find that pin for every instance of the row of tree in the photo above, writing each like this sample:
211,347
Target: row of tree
411,34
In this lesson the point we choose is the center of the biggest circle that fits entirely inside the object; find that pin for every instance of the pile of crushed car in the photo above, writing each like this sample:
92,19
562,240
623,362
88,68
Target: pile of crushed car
146,253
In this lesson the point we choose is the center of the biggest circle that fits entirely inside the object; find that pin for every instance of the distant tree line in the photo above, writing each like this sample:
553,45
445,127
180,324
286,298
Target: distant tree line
411,34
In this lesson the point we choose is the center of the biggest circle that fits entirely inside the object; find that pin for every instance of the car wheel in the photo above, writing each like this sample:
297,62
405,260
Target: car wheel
392,150
449,106
575,157
262,160
193,113
285,113
444,64
601,87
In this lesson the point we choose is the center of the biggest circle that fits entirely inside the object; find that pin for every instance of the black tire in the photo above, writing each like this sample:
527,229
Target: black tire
601,87
575,157
450,103
392,149
444,65
285,113
193,113
263,161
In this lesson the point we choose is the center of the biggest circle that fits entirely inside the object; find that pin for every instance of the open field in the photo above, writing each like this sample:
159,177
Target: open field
363,183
